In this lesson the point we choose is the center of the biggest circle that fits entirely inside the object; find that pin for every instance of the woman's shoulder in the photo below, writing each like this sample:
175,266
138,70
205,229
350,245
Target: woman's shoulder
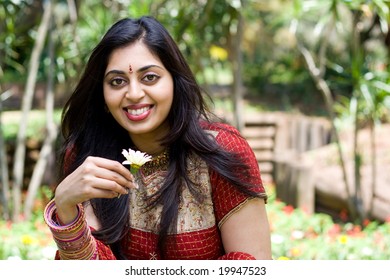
225,135
219,127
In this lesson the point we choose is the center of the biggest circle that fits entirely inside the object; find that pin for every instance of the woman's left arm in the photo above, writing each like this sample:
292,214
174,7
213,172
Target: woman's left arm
242,219
247,230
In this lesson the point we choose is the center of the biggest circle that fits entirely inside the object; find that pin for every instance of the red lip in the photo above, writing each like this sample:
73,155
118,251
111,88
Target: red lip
140,117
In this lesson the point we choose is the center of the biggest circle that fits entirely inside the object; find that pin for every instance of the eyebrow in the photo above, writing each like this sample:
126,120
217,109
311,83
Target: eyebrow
119,72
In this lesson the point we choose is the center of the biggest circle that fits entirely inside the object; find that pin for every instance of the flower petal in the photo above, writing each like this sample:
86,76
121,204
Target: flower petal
135,157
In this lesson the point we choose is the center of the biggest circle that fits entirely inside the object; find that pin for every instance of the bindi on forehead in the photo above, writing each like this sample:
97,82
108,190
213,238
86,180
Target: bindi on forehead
130,69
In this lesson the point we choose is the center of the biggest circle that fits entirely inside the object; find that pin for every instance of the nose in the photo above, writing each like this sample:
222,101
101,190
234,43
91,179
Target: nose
135,91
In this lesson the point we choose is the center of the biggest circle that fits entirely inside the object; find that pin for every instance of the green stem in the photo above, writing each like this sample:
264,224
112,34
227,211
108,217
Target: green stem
134,168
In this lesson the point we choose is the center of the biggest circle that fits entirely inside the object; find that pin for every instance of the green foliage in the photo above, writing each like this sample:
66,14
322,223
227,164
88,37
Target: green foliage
75,40
14,36
273,68
195,25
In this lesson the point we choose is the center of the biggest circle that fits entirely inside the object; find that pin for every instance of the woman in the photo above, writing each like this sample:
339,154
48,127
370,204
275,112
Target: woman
200,197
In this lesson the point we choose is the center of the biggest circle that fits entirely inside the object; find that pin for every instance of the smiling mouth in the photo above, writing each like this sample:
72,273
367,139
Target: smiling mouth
138,112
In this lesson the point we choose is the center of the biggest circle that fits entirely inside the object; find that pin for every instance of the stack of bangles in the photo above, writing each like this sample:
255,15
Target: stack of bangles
74,240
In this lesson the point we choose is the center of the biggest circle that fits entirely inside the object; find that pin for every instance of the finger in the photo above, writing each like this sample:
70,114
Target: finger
108,174
103,193
115,167
108,185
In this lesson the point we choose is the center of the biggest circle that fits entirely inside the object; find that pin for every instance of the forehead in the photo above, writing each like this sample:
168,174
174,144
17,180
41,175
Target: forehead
136,53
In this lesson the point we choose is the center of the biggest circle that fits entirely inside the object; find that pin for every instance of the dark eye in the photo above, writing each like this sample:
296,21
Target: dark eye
116,82
150,78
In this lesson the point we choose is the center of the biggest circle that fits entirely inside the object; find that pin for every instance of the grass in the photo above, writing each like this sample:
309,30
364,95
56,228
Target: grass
35,123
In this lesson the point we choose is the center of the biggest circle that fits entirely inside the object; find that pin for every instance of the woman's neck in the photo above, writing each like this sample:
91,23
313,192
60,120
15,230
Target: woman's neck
153,149
150,142
148,145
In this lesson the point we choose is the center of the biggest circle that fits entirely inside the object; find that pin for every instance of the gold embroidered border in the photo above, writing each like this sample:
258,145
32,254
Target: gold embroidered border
235,209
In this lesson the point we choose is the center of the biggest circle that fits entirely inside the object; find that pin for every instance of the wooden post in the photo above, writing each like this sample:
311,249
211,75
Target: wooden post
305,189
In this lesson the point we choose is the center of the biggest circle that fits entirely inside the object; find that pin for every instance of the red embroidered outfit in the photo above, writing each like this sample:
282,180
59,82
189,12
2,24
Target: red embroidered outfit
197,234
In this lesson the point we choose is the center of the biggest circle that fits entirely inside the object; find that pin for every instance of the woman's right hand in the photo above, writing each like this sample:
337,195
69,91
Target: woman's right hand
96,177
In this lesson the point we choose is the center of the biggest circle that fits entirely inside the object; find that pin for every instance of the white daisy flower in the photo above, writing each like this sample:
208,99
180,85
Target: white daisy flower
135,159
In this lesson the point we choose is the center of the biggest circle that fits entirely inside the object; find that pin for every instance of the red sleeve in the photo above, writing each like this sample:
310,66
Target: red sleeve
237,256
104,252
227,197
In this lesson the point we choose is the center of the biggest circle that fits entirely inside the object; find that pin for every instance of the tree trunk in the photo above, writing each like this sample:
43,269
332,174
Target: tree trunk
373,166
237,75
51,129
72,11
4,175
357,63
323,87
357,197
20,151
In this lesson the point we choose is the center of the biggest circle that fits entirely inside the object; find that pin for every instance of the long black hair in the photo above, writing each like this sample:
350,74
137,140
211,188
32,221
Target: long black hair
89,130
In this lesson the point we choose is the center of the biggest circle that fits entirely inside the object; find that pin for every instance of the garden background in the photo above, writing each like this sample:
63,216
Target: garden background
304,60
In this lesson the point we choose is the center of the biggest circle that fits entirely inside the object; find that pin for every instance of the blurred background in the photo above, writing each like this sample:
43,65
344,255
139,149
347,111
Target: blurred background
305,81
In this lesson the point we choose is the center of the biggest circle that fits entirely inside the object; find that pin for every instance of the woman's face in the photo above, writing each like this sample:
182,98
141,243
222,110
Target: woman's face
138,91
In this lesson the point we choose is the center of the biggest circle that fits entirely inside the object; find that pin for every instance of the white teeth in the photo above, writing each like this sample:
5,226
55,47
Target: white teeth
138,112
